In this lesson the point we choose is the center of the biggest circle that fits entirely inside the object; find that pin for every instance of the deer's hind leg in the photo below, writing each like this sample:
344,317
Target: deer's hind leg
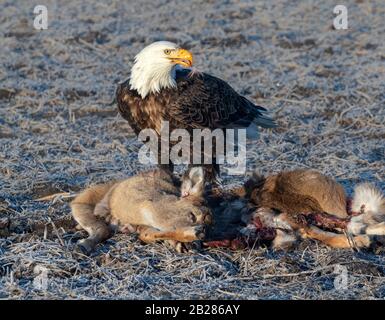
335,240
184,234
83,207
97,230
284,240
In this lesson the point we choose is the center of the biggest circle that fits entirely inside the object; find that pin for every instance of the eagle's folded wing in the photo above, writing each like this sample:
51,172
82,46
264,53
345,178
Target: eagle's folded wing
204,101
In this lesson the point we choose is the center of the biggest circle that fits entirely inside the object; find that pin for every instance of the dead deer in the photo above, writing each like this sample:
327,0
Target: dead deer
149,204
287,199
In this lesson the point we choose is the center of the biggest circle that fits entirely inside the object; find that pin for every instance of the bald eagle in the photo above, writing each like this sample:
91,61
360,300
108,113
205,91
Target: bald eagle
162,86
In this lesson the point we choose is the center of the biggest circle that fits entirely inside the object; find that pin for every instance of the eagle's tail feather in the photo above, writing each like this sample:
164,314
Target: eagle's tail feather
262,118
259,121
265,122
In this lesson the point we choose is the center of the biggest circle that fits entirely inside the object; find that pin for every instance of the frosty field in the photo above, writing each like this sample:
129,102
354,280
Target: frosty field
59,132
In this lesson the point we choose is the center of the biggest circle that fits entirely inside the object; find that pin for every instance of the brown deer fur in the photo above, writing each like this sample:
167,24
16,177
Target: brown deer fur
148,204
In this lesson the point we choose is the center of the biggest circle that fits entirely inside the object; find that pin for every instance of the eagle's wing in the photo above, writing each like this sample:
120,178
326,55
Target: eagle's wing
204,101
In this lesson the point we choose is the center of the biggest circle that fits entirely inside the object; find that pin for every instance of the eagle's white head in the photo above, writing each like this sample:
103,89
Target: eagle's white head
155,66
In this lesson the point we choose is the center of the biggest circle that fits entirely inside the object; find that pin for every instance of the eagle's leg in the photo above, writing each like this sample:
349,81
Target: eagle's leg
167,167
216,171
211,172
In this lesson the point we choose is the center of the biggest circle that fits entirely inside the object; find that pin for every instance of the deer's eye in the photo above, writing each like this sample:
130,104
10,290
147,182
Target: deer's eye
193,217
208,219
167,51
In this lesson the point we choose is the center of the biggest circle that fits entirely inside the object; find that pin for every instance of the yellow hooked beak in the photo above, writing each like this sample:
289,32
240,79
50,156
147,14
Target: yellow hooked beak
182,57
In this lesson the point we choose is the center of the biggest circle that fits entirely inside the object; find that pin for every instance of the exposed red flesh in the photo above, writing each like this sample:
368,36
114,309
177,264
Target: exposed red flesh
262,233
325,220
243,242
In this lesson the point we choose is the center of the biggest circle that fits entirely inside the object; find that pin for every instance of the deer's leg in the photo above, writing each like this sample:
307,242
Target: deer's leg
335,240
185,234
83,211
284,240
97,229
178,246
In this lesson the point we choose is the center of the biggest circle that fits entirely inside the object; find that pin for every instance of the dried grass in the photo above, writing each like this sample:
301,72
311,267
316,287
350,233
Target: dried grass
58,133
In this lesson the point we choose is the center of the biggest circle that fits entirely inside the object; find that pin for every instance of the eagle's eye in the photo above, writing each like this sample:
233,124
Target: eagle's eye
167,51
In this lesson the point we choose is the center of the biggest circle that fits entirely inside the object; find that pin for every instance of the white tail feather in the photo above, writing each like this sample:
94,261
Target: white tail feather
369,198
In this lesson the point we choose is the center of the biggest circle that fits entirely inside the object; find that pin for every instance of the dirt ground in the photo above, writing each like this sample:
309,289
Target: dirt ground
59,133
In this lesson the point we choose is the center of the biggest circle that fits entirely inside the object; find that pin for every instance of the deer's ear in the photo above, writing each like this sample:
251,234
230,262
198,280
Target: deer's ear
194,183
196,175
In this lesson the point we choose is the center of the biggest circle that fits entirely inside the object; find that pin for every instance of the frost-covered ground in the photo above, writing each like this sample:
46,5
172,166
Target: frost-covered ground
59,133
